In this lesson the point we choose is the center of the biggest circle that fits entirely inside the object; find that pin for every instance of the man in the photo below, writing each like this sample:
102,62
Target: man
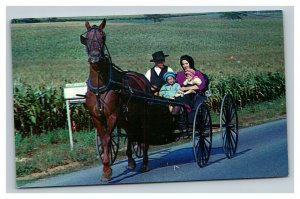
156,73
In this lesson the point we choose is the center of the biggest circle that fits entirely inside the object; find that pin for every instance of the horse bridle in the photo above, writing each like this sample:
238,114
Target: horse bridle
85,40
103,57
97,90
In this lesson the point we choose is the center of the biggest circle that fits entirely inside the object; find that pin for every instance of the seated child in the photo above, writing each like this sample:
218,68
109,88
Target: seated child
169,89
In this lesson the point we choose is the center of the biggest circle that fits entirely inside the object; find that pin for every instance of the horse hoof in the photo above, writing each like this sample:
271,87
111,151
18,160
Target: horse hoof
106,176
131,165
144,169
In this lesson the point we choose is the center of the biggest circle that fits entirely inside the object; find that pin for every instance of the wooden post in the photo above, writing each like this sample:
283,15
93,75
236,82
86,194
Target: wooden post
69,124
73,94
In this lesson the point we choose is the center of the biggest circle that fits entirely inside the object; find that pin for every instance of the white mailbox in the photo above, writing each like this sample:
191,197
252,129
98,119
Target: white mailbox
73,94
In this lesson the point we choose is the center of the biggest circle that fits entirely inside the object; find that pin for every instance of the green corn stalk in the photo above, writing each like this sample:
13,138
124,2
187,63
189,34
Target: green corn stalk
42,109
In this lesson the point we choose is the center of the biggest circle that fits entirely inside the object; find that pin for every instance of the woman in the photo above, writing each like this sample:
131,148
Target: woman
193,100
187,62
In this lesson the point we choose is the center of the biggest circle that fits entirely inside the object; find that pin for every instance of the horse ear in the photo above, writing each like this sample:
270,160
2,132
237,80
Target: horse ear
102,25
87,25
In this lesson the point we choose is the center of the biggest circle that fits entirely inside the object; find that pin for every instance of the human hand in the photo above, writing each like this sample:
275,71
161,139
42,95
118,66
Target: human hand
183,89
189,78
154,88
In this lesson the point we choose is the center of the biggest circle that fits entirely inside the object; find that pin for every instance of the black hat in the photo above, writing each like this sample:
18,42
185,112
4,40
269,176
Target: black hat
158,56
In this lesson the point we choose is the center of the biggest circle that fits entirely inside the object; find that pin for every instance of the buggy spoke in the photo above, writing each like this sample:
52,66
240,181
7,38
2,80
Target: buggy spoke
207,141
223,135
113,147
230,145
223,119
229,125
206,148
225,141
233,137
232,116
203,140
198,143
233,131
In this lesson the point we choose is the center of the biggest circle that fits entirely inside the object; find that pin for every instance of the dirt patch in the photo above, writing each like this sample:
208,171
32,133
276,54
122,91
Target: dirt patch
51,171
24,159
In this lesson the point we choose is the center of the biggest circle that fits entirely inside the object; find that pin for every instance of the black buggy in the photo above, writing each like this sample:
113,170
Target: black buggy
200,128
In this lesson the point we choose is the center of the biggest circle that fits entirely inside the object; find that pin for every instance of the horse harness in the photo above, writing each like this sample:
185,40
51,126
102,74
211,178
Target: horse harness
117,80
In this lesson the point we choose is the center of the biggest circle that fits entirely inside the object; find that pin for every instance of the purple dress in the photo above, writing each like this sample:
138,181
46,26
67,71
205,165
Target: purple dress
180,77
191,100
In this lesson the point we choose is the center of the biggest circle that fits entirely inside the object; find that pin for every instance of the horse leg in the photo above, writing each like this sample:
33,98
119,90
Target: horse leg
144,167
106,171
105,137
131,162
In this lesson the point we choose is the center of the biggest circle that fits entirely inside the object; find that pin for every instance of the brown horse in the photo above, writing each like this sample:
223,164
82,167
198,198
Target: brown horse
107,106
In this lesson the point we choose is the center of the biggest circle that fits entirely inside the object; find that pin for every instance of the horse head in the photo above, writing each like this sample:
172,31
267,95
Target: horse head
94,40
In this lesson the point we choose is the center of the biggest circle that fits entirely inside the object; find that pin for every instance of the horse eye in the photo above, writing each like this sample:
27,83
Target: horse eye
83,40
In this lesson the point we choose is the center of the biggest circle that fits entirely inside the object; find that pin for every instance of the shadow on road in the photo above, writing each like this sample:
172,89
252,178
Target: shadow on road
167,158
219,150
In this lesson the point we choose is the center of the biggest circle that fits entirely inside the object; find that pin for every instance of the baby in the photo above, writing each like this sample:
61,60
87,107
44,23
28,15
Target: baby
191,80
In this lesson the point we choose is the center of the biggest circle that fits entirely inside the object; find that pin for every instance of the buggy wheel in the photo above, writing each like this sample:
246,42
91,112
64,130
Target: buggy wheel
202,135
113,146
229,125
137,149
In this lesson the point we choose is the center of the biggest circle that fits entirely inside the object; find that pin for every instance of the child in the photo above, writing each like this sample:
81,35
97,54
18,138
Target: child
191,80
169,89
186,95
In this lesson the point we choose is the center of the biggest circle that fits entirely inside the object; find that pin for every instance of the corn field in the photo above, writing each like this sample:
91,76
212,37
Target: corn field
251,88
42,109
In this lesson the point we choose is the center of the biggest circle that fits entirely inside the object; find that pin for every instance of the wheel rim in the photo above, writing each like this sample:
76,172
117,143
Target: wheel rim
229,125
202,135
113,146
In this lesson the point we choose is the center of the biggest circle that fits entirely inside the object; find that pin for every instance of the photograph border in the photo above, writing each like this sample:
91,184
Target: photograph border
260,185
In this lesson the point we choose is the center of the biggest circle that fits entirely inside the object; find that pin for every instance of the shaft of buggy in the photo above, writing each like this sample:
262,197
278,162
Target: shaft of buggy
152,99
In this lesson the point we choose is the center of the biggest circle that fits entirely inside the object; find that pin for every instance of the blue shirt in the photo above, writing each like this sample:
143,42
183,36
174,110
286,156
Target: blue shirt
168,91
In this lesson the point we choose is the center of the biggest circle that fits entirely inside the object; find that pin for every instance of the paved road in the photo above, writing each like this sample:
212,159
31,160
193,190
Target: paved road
262,152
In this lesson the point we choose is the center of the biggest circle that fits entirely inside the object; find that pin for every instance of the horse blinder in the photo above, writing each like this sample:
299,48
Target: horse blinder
83,40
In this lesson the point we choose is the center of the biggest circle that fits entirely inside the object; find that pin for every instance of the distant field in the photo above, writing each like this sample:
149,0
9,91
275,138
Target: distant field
51,53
